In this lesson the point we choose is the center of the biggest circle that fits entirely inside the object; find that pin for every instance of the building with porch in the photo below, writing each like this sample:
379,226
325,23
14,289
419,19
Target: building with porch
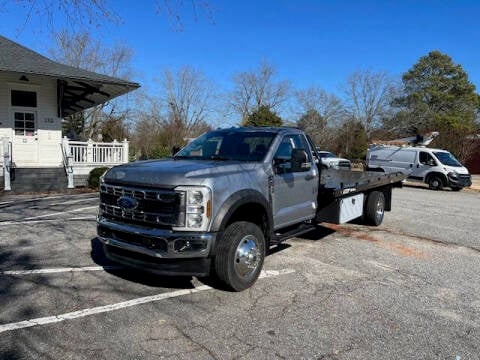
36,93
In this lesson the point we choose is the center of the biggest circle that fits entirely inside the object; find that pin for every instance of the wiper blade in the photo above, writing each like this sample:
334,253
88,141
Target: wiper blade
218,157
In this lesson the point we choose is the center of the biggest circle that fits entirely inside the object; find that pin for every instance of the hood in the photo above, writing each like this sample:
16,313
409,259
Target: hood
170,173
458,169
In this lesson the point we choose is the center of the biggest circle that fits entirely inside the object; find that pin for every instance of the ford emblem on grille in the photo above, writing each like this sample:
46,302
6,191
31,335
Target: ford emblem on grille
127,203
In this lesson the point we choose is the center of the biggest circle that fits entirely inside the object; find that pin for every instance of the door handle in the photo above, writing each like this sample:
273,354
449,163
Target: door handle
309,177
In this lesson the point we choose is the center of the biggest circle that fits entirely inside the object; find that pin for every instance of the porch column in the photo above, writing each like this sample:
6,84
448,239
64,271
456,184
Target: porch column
115,152
7,163
68,162
90,151
125,151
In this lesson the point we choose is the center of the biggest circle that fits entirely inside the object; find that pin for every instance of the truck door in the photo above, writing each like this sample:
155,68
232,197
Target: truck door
295,190
425,164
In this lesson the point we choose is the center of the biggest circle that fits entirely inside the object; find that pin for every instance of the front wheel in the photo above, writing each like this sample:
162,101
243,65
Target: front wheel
374,208
435,183
240,255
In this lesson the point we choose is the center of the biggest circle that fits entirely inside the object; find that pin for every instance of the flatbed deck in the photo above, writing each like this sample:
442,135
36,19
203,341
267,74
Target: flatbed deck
339,183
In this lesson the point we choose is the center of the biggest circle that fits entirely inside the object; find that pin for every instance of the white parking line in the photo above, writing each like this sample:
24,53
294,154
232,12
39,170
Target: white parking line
20,222
74,201
59,270
62,212
121,305
42,198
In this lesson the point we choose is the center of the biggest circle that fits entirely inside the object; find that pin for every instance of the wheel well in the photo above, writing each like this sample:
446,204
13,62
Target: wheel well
440,175
254,213
375,169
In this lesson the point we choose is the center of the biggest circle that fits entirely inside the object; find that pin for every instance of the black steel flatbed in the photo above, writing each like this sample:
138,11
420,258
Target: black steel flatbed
340,183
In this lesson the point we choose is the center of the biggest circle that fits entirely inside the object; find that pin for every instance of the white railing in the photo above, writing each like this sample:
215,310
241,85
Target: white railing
96,153
6,156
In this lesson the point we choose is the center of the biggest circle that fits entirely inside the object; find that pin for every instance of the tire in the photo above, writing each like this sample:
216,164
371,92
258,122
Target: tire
240,255
435,182
374,208
454,188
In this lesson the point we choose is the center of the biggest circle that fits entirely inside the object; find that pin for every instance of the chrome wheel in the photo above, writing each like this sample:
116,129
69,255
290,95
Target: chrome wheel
380,210
247,256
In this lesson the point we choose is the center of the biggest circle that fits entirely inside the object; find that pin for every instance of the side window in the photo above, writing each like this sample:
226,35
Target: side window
283,156
426,159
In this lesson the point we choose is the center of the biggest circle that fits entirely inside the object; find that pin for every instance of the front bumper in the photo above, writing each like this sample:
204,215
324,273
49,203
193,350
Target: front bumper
156,250
460,181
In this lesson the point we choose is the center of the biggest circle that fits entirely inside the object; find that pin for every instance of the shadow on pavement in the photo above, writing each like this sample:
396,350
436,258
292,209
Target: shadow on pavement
137,276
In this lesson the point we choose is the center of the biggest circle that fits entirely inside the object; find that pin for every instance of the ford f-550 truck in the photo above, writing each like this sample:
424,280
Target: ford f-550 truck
217,205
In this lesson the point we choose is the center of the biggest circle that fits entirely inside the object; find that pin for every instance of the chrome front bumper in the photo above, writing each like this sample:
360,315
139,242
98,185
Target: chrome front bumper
154,242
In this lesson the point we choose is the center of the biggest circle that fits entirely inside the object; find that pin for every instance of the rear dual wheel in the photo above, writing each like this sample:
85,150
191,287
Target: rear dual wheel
374,208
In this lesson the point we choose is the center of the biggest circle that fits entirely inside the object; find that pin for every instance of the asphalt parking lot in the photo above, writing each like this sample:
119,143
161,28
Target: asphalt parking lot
408,289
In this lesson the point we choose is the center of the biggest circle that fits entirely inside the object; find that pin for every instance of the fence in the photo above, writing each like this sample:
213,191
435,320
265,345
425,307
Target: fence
96,153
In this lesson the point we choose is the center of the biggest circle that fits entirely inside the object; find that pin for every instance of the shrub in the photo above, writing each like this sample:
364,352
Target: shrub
94,177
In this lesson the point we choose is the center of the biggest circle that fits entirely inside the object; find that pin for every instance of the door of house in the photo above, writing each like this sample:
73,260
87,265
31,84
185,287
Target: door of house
25,142
23,113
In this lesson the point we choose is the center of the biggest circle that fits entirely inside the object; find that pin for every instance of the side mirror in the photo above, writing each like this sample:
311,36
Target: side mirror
300,160
281,165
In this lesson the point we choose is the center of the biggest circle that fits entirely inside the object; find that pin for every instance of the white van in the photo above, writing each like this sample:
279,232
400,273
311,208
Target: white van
438,168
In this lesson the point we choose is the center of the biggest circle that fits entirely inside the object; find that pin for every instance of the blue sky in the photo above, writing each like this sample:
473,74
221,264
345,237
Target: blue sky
309,42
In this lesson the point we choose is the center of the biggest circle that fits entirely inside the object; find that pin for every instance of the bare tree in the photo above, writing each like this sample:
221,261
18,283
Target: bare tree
320,112
82,51
186,102
84,14
77,13
181,111
258,88
369,95
329,106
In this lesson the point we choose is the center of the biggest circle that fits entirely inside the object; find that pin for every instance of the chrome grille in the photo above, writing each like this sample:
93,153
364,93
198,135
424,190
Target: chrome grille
163,208
344,164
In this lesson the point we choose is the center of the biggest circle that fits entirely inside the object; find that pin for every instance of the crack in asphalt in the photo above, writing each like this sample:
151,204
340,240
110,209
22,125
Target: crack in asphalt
195,342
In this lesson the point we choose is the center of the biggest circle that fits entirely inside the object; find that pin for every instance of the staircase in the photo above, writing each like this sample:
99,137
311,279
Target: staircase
39,179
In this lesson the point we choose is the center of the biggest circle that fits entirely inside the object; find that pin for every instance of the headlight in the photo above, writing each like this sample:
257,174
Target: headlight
453,174
101,179
198,202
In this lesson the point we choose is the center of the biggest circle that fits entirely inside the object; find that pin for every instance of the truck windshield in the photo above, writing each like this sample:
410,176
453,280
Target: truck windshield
447,159
228,145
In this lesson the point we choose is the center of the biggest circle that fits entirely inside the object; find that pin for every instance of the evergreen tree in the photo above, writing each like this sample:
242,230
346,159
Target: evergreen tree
437,95
263,116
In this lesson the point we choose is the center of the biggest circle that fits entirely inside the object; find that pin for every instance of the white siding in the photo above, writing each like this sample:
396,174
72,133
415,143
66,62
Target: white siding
43,148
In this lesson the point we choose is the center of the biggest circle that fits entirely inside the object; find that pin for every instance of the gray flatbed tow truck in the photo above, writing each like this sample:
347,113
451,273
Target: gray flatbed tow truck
216,206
